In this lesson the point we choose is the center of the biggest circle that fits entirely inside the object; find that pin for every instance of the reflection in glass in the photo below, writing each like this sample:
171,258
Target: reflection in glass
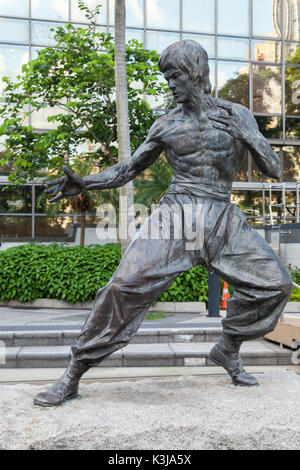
292,91
292,52
137,34
46,227
291,163
266,51
50,10
16,199
267,89
233,17
18,8
292,128
292,20
270,127
206,41
11,60
42,34
78,16
15,227
233,49
158,41
233,82
198,16
39,119
163,14
267,18
135,13
14,30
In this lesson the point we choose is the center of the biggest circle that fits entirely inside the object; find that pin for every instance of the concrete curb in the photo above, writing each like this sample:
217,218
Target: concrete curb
173,307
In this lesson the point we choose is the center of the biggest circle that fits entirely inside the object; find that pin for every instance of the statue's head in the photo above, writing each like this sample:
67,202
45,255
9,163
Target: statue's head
185,65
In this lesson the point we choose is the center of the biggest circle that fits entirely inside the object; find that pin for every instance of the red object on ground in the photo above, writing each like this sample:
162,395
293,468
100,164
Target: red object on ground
225,296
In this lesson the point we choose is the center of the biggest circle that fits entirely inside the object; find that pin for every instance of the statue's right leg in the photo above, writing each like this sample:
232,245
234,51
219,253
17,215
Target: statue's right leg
146,270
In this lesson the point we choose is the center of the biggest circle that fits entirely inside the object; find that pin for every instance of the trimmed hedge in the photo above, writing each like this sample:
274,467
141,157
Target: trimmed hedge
74,274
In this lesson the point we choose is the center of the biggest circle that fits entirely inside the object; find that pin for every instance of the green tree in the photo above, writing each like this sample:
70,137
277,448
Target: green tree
75,82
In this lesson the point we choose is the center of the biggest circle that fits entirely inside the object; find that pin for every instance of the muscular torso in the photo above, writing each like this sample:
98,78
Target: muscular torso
197,152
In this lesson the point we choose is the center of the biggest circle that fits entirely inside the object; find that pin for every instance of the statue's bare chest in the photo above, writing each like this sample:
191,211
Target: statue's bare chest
186,137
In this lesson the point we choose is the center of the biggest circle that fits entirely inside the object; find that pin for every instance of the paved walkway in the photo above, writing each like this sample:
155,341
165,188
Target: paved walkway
43,318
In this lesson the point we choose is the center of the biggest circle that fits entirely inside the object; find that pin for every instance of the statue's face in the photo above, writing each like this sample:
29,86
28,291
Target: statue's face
180,84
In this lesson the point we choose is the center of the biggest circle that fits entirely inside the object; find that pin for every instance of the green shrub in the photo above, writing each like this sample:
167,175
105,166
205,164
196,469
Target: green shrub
295,275
75,274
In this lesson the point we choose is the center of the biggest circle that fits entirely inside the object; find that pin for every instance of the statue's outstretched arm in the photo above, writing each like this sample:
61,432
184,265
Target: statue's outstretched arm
71,184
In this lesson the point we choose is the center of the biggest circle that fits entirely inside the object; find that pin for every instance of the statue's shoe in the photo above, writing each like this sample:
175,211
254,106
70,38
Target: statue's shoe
57,394
232,363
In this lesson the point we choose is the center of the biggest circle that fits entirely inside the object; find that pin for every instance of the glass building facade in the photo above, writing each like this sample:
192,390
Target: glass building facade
253,48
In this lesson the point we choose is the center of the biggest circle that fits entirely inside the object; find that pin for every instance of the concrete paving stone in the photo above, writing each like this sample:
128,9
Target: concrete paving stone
191,349
7,337
38,338
138,339
145,351
8,357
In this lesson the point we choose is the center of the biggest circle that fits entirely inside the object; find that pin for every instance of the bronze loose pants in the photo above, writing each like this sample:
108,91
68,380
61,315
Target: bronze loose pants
229,247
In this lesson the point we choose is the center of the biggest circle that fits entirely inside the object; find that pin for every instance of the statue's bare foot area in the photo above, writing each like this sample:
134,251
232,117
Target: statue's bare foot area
230,360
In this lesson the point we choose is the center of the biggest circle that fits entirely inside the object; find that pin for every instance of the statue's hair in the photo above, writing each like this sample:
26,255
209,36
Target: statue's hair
190,57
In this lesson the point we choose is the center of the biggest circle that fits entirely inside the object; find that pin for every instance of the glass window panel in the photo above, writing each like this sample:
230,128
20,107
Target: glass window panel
42,34
266,51
233,17
158,41
206,41
50,10
233,48
11,60
267,89
270,127
198,16
292,128
233,82
292,52
46,227
15,227
39,119
292,91
18,8
292,20
16,199
163,14
134,13
291,163
78,16
267,18
14,30
137,34
35,52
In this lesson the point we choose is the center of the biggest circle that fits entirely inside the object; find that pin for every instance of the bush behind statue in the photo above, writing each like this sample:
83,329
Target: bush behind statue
74,274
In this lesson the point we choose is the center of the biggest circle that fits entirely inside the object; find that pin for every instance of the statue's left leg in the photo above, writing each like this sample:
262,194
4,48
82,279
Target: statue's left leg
262,289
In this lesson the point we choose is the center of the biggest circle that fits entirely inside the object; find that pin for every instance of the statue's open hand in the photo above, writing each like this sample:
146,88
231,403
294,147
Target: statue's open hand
231,121
66,186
